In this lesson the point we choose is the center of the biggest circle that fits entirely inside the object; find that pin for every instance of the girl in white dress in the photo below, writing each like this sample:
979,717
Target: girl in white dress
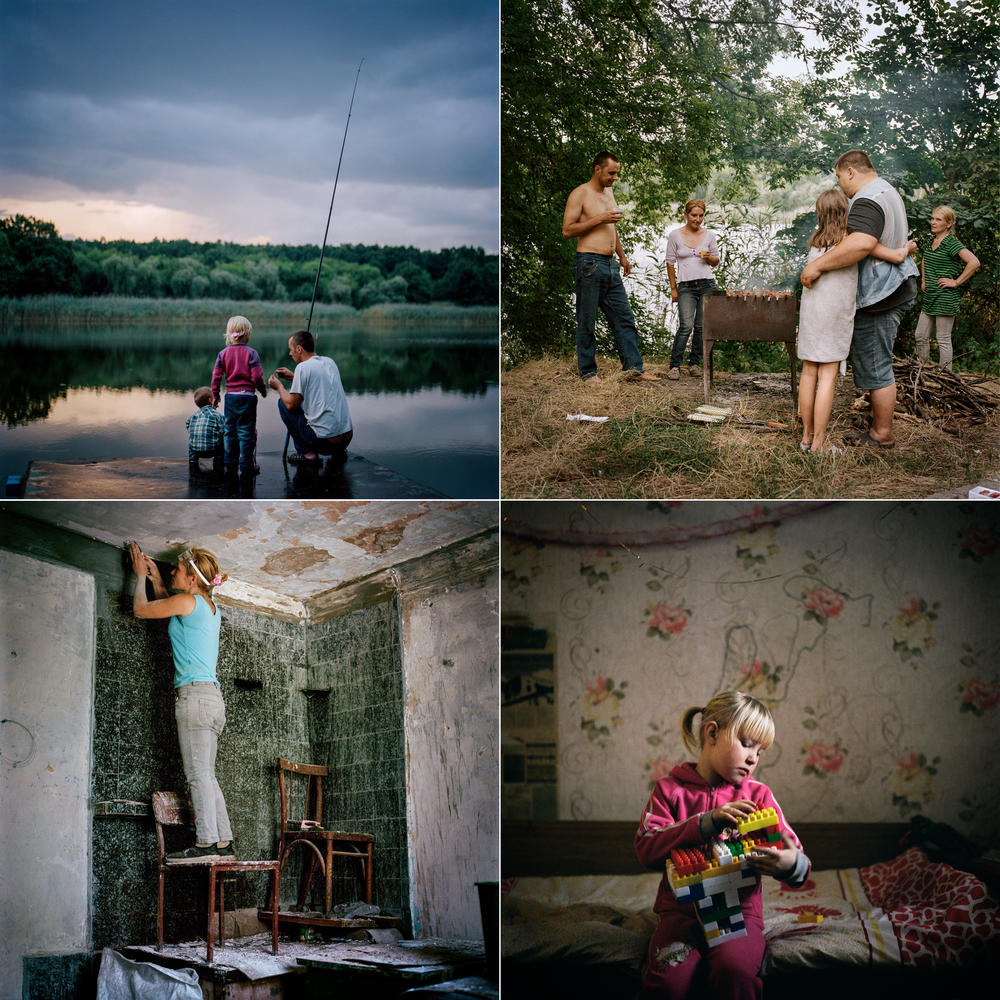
826,320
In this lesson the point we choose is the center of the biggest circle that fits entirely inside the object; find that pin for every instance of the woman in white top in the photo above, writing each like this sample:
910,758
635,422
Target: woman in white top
692,252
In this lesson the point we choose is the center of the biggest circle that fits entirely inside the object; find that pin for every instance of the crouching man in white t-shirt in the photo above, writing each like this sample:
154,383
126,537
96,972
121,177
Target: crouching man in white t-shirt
314,409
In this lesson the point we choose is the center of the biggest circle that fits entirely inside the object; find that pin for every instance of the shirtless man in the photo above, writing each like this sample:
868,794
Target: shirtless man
590,217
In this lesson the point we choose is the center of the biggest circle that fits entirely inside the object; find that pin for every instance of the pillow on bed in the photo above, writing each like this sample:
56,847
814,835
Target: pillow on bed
583,942
838,940
587,920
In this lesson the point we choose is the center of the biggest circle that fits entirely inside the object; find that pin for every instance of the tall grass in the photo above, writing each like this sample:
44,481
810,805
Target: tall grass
648,449
57,310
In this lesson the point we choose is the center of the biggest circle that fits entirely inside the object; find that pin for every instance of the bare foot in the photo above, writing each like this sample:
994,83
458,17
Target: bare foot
646,377
593,380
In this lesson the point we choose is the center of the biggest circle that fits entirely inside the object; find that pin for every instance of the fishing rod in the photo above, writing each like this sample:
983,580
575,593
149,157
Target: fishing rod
322,249
326,232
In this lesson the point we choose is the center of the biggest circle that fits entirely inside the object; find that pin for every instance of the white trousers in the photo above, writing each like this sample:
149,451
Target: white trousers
201,716
942,335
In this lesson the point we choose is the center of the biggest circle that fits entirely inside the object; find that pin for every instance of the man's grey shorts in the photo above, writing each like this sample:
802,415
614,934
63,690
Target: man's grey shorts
871,348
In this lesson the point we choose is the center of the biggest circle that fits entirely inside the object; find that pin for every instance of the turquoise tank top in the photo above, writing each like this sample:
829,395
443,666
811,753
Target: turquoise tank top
195,642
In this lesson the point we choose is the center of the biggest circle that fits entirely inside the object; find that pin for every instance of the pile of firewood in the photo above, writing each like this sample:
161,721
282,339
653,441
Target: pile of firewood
941,397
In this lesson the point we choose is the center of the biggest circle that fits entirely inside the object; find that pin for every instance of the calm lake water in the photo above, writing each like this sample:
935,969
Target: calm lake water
424,403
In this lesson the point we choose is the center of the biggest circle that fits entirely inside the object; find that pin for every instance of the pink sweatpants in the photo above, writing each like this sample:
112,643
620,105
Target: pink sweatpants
680,961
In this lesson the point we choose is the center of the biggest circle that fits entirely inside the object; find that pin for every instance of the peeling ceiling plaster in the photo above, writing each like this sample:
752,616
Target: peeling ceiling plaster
283,552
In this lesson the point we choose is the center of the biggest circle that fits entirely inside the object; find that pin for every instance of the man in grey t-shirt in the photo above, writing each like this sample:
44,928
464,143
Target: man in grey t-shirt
885,291
315,408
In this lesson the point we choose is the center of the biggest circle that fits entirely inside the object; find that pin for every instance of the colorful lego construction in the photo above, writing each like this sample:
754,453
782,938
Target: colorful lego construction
764,826
712,875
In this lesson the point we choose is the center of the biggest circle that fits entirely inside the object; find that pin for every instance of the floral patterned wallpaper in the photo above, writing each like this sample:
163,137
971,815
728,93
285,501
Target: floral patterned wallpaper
871,629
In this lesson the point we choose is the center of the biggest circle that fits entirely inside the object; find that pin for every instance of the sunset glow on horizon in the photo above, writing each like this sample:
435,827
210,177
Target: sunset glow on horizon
113,220
189,123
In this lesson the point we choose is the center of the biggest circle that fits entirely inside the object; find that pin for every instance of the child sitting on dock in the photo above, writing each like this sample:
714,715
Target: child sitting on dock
204,433
239,365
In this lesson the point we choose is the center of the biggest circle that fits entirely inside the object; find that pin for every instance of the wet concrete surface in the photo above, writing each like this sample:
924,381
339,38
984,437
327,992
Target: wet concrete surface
168,478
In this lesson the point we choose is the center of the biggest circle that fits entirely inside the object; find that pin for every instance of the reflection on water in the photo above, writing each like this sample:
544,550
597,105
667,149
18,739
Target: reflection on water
424,403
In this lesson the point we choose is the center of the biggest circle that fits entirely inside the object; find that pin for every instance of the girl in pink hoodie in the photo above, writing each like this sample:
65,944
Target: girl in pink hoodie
693,804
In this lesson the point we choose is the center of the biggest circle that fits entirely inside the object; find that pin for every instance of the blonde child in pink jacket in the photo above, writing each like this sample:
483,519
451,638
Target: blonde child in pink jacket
694,803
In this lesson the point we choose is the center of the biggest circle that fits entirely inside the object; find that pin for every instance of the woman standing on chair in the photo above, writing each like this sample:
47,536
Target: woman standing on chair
199,708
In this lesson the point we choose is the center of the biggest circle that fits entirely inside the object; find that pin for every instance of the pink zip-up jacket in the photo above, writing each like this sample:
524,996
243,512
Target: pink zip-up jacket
672,819
240,366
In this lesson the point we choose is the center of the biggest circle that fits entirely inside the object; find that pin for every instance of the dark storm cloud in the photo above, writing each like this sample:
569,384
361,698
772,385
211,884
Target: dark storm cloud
111,96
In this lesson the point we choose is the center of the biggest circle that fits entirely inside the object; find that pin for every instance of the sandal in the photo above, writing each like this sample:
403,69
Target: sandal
867,441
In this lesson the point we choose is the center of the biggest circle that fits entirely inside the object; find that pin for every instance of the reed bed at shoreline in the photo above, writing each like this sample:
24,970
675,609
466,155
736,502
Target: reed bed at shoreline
57,310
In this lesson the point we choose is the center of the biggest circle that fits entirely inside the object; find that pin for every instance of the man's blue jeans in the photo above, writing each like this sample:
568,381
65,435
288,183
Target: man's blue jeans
599,286
298,427
305,437
871,348
689,296
241,431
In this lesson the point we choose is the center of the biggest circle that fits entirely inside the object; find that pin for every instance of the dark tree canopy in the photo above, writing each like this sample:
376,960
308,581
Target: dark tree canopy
35,260
685,91
673,89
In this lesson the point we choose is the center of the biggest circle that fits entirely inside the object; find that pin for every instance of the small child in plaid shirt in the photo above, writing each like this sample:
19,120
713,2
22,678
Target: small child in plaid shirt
205,429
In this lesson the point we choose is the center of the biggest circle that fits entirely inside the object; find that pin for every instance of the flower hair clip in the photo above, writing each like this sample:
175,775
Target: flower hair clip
215,581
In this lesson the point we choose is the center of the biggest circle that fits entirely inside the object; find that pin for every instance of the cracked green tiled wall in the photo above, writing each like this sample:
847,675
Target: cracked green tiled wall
328,693
357,730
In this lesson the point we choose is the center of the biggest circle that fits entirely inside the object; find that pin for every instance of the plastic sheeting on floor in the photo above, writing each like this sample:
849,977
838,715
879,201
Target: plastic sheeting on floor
122,979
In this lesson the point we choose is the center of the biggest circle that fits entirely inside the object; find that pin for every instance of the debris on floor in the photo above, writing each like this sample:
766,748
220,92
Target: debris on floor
942,397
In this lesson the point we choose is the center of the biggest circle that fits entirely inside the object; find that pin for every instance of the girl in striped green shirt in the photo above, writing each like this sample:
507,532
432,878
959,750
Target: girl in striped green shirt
946,265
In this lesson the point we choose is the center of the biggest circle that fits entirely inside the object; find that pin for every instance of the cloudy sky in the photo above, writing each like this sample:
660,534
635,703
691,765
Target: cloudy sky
210,120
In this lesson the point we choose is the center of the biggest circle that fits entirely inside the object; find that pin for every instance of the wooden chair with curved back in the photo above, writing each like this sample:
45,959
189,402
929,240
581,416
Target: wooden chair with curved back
301,787
172,809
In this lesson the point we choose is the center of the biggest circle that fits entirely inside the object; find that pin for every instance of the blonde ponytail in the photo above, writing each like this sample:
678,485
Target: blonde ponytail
745,715
691,740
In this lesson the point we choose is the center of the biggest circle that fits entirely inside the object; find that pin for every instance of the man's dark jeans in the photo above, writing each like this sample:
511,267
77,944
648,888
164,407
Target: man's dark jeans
599,286
303,435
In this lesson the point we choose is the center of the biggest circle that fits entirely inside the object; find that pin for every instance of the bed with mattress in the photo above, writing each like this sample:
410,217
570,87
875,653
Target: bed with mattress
876,914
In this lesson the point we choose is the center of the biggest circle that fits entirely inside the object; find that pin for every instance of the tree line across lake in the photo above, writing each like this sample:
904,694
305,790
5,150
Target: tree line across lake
35,260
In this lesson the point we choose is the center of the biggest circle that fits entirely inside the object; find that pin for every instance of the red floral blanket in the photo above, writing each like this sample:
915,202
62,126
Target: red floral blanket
940,916
907,911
